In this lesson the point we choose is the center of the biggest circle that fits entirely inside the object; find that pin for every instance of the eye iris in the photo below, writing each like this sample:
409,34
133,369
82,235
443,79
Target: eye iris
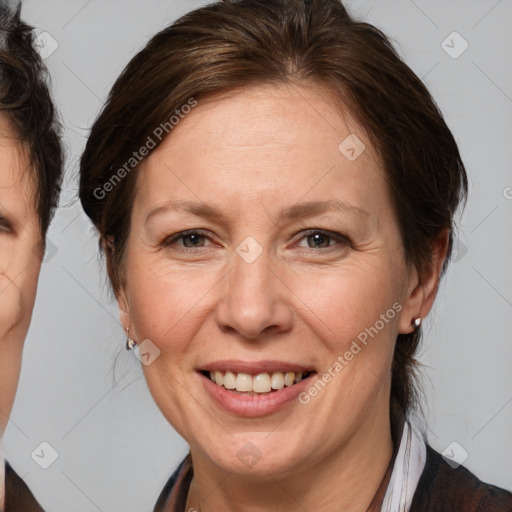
318,239
194,237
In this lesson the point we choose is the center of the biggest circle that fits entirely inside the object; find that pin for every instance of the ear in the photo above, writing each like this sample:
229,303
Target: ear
423,288
108,246
124,308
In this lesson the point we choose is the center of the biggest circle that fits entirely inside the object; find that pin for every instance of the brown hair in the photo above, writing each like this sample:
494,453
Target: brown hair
232,44
26,102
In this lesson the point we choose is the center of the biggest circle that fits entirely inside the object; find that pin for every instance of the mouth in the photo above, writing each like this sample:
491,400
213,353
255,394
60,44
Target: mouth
262,383
254,388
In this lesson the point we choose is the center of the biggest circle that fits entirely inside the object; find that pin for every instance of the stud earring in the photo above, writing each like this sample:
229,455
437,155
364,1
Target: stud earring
417,322
130,344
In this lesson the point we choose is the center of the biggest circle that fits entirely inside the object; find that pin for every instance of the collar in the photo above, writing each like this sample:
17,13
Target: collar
408,462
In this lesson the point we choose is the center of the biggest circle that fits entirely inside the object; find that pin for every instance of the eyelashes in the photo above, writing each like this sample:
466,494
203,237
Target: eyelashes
341,239
5,225
319,235
183,235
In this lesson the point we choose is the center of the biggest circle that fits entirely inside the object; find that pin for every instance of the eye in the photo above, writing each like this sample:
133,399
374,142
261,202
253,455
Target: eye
189,239
5,225
315,238
321,239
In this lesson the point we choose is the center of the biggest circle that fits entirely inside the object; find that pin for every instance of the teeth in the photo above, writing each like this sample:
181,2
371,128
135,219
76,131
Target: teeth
277,380
289,378
243,382
261,383
230,380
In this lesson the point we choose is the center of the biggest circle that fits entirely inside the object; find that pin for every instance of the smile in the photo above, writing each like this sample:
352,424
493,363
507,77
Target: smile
261,383
254,388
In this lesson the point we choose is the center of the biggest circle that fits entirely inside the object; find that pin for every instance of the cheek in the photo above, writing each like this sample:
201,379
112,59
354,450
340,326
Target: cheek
11,309
167,304
18,286
168,308
359,303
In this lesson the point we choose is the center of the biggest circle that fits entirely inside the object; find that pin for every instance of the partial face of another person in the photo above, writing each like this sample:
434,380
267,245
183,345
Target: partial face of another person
258,247
20,261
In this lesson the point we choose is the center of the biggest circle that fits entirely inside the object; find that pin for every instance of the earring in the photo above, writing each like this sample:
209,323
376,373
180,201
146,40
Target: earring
417,322
130,344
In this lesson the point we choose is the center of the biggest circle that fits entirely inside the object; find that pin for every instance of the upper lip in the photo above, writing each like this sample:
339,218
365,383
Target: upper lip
254,367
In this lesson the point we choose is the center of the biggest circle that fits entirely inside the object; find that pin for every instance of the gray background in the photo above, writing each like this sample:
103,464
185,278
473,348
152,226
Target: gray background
115,449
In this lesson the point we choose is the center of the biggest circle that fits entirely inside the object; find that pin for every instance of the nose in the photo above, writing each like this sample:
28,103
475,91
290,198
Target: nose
255,300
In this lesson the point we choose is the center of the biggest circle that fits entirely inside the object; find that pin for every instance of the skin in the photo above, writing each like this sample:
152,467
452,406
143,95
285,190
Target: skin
251,154
20,262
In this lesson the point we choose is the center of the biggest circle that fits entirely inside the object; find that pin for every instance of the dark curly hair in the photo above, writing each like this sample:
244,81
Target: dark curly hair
26,102
231,44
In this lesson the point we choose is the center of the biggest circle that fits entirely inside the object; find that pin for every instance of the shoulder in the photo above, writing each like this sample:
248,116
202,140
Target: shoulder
442,488
17,494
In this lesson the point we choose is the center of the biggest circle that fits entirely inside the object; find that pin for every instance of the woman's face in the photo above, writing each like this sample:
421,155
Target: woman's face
292,261
20,262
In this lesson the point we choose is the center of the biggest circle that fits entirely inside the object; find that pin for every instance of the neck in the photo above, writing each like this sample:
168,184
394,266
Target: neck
347,479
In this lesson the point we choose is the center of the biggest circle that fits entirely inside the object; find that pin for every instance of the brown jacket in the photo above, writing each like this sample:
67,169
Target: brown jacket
18,497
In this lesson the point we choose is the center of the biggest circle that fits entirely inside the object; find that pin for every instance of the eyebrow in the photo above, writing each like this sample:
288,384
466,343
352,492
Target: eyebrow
296,211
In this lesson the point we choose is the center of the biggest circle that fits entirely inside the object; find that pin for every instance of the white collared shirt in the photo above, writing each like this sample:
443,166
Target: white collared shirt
409,464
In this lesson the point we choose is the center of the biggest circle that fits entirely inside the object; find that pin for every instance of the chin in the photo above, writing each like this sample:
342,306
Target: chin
257,454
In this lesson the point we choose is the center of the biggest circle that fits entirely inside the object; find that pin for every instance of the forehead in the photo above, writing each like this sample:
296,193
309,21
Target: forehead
16,181
264,117
279,142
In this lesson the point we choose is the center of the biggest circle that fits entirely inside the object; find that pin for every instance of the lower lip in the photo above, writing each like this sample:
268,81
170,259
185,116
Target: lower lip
254,405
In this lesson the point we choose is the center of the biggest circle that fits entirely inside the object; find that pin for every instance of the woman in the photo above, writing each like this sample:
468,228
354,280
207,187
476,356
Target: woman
30,177
274,191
